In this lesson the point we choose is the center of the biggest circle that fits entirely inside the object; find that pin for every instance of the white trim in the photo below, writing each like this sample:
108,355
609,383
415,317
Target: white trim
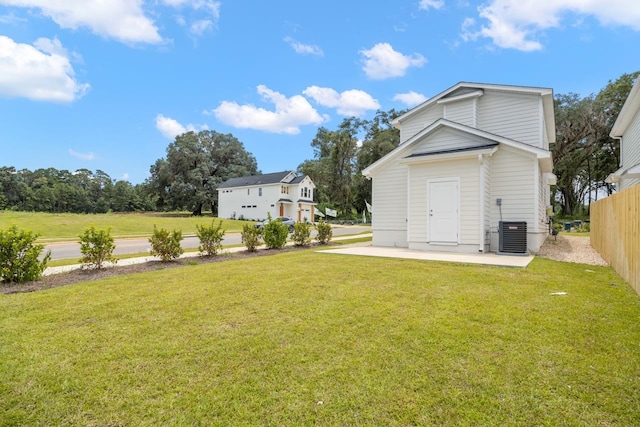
482,190
474,94
544,156
447,156
536,189
547,93
628,112
408,212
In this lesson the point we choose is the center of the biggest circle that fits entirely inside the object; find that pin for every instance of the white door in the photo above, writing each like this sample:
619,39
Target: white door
442,211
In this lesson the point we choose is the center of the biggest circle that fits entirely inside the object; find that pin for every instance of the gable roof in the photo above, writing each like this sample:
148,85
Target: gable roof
627,113
464,90
264,179
543,156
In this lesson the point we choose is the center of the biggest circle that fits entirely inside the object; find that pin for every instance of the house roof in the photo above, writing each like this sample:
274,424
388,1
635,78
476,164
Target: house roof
464,90
265,179
493,140
454,150
627,113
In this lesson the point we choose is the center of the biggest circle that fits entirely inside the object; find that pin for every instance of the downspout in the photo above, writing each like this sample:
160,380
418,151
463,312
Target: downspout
482,190
408,203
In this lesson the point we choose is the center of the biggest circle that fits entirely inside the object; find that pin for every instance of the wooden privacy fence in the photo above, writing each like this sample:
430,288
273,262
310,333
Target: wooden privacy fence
615,233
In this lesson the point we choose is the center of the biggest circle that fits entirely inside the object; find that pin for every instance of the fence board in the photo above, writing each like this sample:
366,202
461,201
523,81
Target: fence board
615,233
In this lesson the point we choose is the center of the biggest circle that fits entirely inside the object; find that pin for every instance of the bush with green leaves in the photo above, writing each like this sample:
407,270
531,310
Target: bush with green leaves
211,237
19,256
275,233
166,245
324,232
96,247
301,233
251,236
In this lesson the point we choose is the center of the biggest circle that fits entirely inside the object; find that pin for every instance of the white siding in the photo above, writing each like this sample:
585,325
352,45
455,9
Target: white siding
389,218
631,150
512,115
460,112
512,180
420,121
486,165
447,139
236,203
467,170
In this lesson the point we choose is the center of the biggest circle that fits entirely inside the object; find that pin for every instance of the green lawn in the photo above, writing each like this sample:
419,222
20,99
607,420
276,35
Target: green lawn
67,226
305,338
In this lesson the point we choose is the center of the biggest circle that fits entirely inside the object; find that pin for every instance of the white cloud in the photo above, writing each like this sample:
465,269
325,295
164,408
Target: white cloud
410,98
123,20
124,177
11,19
198,25
348,103
304,49
171,128
382,62
430,4
83,156
41,72
516,24
288,116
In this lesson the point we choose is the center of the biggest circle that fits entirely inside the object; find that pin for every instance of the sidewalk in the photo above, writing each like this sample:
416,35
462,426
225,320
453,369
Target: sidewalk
130,261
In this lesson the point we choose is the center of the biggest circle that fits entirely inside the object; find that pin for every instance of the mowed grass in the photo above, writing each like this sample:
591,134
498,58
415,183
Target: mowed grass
66,226
306,338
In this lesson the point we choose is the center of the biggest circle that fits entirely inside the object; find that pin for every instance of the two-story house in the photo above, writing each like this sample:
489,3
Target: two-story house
470,159
279,194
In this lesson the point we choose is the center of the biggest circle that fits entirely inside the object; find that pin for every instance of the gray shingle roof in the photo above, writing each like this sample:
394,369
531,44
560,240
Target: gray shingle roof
269,178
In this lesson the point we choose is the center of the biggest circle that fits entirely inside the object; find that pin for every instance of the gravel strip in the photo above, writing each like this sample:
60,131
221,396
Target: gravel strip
570,249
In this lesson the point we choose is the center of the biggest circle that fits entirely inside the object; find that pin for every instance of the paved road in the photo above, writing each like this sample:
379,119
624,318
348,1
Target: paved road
70,250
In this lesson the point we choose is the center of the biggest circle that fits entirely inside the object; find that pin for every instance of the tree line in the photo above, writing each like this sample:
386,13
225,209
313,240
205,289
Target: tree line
196,163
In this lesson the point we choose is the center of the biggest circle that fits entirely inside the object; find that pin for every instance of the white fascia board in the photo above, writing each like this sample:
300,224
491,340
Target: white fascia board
474,94
627,113
544,92
540,153
427,158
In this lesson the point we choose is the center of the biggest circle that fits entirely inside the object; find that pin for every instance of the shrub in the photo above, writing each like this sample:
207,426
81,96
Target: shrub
275,234
211,237
19,256
251,237
166,245
301,234
324,232
96,247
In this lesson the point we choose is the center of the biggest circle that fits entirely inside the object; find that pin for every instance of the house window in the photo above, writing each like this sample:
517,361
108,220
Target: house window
260,192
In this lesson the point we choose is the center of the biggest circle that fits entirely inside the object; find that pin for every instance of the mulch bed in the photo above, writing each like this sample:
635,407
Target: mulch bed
83,275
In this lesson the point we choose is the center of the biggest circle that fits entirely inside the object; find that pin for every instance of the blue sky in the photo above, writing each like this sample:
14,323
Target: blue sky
108,84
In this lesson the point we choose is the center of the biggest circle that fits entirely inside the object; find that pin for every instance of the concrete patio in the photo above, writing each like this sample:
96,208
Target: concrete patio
387,252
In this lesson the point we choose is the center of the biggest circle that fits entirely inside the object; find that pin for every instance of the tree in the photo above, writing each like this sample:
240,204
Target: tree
340,156
195,165
584,154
